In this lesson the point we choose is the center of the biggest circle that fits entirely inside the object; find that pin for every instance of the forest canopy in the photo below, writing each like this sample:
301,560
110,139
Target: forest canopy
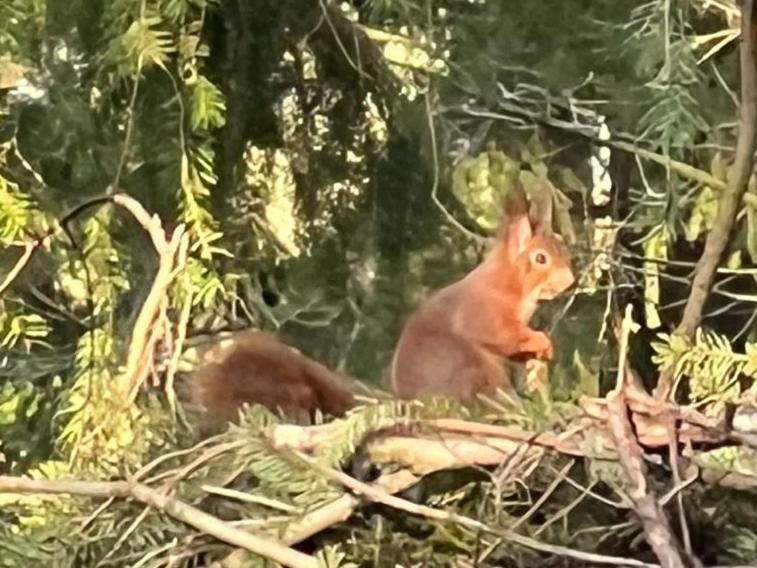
175,171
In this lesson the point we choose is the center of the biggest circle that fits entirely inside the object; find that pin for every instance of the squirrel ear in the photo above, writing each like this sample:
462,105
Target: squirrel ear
516,228
540,210
517,234
516,201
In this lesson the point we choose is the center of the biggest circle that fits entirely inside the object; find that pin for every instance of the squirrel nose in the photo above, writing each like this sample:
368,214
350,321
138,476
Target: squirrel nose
564,279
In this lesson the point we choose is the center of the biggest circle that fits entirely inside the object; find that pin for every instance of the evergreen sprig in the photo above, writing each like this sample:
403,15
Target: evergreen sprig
709,363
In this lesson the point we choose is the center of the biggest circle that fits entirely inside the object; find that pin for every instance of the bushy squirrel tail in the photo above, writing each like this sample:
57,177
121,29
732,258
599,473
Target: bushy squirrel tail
257,368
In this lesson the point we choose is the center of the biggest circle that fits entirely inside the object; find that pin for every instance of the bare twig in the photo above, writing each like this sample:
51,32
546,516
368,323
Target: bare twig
147,468
340,509
675,470
249,498
34,244
564,511
175,476
29,249
188,514
435,186
562,474
183,324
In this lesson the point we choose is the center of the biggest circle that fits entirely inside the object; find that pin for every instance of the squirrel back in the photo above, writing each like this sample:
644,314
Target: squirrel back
456,343
257,368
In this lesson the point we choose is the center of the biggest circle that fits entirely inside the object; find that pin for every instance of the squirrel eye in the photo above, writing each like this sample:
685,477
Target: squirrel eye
540,258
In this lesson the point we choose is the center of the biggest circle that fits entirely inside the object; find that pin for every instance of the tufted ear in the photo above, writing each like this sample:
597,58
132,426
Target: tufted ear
516,201
518,233
516,227
540,209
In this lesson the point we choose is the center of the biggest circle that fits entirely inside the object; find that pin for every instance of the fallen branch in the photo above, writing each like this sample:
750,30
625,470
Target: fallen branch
453,443
440,444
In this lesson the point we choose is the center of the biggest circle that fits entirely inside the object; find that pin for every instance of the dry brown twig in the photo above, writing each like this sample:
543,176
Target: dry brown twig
328,515
455,443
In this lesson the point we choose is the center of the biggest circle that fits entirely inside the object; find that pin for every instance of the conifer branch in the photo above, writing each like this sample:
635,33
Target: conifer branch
188,514
32,245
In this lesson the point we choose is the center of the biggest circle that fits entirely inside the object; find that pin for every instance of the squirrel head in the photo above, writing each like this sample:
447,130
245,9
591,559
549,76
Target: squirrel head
539,258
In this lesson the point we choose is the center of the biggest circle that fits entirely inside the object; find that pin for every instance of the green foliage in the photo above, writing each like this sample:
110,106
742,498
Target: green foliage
142,45
208,107
24,329
483,182
674,115
22,407
300,145
101,434
18,216
709,363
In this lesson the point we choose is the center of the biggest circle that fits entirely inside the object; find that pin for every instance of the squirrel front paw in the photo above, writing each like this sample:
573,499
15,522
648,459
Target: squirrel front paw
541,346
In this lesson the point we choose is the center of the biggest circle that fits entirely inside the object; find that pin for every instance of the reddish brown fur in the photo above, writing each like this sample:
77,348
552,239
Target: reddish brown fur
455,344
258,369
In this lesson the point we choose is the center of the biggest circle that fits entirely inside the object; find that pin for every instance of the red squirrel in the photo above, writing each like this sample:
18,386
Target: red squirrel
455,344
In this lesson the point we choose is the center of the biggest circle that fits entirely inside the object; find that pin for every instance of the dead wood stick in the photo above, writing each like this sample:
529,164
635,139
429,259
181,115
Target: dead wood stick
29,249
